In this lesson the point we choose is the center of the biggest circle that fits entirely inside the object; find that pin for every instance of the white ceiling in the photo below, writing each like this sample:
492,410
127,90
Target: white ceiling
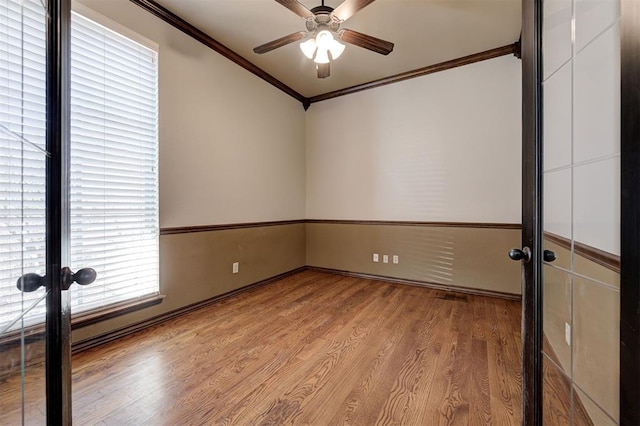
425,32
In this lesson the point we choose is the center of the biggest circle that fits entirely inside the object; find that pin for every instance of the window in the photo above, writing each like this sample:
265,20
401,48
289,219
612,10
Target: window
114,181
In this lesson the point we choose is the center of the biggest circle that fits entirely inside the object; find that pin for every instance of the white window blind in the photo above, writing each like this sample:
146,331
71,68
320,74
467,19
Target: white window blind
22,155
114,185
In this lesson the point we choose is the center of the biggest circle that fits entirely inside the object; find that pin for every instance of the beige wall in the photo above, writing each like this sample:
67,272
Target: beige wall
582,197
231,145
442,147
475,258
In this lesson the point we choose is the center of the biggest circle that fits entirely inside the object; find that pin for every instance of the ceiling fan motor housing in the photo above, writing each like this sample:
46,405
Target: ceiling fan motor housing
326,10
322,18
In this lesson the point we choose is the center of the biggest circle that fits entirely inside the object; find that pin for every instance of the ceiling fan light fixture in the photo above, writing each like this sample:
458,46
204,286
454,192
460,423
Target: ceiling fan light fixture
318,48
336,49
324,39
322,56
309,47
322,42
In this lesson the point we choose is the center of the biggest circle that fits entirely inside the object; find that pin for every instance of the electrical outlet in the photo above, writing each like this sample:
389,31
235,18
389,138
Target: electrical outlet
396,259
236,267
385,258
375,257
567,333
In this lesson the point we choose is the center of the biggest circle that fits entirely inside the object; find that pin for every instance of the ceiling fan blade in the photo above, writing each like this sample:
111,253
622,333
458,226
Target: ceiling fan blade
368,42
297,8
348,8
323,70
282,41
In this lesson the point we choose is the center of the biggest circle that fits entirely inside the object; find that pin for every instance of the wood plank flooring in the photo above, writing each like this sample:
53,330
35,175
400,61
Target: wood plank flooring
311,349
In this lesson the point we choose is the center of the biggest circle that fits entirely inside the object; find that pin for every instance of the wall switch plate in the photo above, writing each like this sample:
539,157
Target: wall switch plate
236,267
567,333
375,257
396,260
385,258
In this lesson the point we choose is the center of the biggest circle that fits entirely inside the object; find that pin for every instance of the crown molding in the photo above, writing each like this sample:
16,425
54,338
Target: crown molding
179,23
511,49
174,20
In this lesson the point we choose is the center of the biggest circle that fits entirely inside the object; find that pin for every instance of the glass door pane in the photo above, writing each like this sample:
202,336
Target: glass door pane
581,197
22,314
35,368
22,211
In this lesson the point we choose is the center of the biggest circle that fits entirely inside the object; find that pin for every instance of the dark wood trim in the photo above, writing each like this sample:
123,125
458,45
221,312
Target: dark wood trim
415,223
94,316
133,328
179,23
601,257
174,20
630,213
84,319
443,66
418,283
531,51
227,226
230,226
557,239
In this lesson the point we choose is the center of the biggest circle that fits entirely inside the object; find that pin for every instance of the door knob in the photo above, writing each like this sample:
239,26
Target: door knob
549,256
31,282
517,254
83,277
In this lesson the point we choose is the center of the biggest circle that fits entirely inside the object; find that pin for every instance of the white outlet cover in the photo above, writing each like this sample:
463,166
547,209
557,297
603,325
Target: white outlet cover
236,267
395,259
567,333
385,258
375,257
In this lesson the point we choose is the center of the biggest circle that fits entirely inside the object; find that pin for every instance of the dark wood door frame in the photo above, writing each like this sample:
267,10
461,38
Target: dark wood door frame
531,50
57,361
630,214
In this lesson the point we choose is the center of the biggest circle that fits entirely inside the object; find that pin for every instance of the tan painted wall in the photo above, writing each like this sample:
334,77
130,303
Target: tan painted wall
456,256
197,266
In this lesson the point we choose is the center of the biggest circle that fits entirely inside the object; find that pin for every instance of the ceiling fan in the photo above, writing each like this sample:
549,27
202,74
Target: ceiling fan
323,32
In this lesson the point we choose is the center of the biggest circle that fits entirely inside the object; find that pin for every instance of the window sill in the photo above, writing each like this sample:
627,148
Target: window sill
94,316
83,319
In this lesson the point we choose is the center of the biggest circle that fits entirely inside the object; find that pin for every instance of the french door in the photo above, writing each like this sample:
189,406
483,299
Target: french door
34,135
581,180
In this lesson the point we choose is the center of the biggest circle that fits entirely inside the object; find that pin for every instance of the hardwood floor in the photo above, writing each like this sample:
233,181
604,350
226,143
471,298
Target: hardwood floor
312,349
